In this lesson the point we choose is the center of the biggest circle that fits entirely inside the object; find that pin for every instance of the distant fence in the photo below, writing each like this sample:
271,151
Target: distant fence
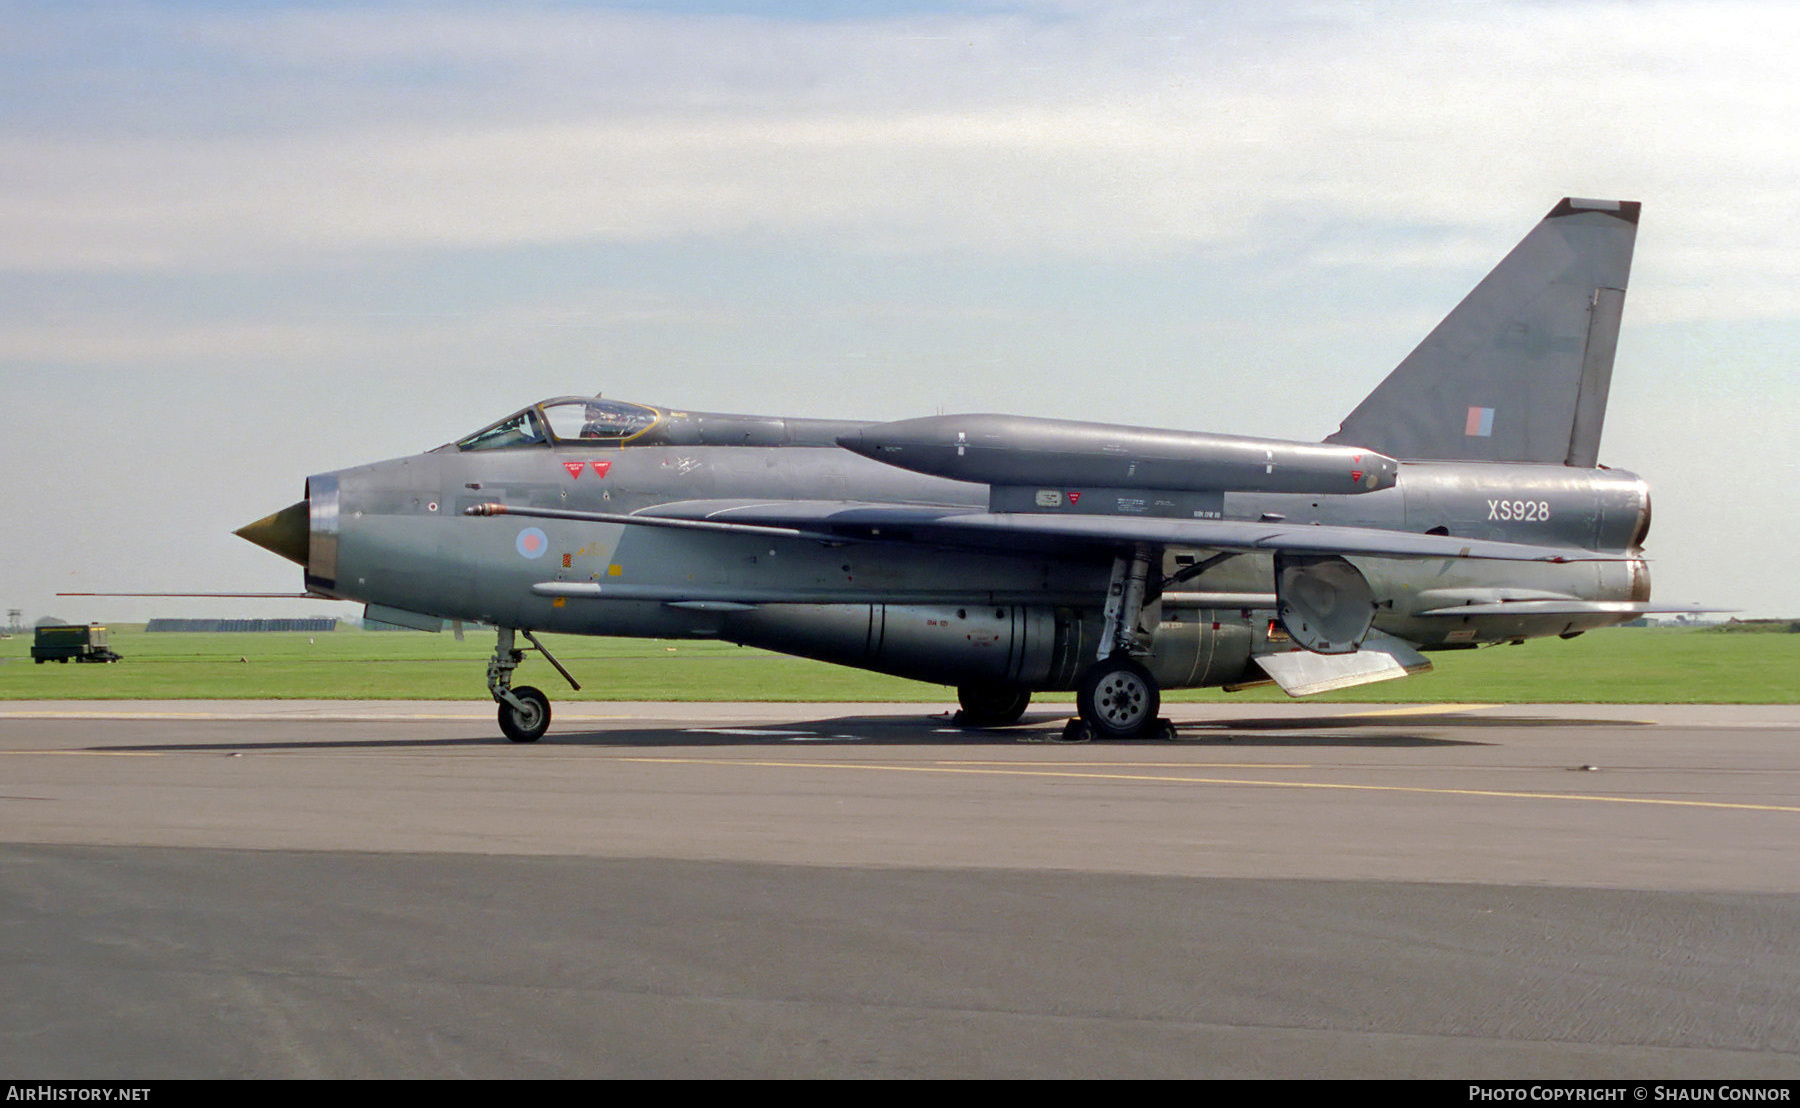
211,626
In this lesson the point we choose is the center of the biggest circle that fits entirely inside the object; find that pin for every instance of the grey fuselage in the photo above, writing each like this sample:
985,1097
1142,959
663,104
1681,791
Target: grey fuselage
394,534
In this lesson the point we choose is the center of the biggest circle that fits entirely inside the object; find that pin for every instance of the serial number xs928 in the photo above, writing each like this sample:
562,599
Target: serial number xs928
1528,511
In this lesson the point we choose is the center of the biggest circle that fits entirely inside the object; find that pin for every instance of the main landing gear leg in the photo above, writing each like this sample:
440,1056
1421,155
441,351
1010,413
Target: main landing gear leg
1118,698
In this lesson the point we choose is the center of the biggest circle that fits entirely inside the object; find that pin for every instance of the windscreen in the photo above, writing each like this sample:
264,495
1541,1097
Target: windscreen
520,429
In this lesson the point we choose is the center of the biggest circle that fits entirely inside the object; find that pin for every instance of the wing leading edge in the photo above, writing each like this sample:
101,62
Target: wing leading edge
1025,533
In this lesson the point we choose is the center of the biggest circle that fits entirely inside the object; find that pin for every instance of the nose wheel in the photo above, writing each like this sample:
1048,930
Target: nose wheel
526,717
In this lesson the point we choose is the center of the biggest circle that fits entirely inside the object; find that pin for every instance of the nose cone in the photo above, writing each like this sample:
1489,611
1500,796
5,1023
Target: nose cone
284,533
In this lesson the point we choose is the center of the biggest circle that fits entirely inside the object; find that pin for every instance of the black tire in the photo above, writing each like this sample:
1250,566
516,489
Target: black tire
526,726
1119,699
991,705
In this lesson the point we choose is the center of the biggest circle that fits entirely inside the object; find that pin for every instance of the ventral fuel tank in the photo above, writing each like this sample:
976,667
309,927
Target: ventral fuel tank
1022,451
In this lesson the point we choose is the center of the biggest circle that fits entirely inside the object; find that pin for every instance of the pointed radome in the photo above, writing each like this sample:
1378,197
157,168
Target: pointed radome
283,533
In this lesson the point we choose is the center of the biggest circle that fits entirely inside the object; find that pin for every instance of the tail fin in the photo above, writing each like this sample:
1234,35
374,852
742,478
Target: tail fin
1519,372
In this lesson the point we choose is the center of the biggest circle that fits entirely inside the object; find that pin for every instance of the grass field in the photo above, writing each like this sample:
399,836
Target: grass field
1620,666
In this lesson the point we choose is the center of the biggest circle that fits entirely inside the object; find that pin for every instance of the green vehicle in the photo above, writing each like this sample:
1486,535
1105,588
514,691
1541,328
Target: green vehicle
84,644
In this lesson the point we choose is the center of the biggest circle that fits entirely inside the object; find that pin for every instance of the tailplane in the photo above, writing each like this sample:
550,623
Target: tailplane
1519,372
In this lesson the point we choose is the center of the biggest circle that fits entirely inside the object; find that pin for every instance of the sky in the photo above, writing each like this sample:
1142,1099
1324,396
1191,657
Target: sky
243,242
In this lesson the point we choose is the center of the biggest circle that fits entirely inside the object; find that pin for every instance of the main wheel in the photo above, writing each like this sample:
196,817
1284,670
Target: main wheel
1119,699
527,724
991,705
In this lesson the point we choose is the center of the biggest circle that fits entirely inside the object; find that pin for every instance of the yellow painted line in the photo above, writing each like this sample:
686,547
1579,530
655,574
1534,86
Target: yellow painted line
258,717
1447,709
1156,765
272,717
1180,780
1422,710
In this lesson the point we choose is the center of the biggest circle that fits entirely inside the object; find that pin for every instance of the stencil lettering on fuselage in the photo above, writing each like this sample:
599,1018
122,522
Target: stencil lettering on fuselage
1522,511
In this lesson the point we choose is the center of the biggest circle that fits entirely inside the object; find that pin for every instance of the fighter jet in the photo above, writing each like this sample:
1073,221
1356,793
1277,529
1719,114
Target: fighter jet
1460,505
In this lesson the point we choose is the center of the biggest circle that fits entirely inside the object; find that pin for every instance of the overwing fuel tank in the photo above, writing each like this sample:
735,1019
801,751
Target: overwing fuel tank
1027,451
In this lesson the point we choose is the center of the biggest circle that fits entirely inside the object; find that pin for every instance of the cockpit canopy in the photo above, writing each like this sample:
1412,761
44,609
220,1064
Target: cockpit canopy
567,419
597,422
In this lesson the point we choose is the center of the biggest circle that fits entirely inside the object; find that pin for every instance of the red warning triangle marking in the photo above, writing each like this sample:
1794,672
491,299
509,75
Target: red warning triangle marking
574,468
601,467
1074,498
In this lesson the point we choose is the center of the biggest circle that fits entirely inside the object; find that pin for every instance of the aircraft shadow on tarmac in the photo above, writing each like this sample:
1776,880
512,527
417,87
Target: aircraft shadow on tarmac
910,729
893,731
871,732
1046,728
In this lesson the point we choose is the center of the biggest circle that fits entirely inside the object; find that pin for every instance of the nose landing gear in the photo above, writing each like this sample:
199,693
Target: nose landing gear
524,711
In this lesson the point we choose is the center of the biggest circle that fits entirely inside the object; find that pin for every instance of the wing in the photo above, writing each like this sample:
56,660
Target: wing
1025,533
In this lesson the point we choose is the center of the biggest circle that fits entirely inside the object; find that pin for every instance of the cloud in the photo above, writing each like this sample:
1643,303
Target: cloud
1089,132
1104,132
